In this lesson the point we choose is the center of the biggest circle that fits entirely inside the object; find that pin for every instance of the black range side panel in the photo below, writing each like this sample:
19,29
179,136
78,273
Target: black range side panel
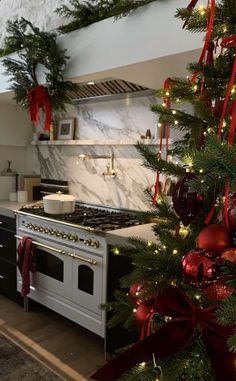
117,337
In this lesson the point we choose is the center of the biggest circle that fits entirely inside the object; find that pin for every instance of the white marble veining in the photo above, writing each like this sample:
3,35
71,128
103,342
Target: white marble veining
114,120
39,12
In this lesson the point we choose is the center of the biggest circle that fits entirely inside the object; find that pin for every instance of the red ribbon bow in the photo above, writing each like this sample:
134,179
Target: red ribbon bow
175,336
39,98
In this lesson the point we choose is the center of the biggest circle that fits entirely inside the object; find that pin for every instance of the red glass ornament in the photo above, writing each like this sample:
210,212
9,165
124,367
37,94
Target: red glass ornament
134,292
229,254
218,290
215,238
142,311
186,204
199,268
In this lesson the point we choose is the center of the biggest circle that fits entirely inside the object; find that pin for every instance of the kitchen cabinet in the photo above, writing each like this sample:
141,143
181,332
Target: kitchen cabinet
8,257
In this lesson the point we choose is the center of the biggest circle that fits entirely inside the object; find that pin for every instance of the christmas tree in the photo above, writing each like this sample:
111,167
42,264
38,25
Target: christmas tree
181,292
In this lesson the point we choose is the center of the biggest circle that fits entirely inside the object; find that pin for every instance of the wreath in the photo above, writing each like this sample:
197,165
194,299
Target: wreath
36,48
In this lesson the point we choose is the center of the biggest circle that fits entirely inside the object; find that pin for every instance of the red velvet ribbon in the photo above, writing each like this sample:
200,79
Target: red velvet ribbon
207,44
190,8
39,98
164,129
175,336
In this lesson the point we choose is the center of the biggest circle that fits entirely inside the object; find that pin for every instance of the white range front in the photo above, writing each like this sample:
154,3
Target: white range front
71,275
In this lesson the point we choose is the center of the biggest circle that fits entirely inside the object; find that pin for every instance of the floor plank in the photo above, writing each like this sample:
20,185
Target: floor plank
63,345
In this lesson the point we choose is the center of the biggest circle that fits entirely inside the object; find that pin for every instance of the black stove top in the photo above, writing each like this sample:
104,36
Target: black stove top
99,219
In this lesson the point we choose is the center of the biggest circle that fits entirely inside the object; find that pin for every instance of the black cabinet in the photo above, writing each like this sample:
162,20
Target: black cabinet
8,257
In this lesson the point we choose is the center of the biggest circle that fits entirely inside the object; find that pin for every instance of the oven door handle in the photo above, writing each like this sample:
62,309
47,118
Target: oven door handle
62,252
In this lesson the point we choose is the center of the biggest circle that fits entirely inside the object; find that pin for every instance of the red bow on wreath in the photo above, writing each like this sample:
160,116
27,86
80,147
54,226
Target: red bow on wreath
39,98
175,336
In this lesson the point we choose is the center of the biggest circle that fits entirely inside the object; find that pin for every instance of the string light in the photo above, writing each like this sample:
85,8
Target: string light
176,122
174,112
201,170
224,124
163,104
159,124
149,243
167,93
164,247
177,100
142,365
116,251
175,251
195,88
134,310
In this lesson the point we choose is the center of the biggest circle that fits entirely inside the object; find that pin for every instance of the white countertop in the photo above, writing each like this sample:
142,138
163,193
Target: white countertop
7,207
120,236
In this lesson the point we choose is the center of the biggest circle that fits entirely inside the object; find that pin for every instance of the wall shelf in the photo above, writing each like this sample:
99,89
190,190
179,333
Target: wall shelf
98,142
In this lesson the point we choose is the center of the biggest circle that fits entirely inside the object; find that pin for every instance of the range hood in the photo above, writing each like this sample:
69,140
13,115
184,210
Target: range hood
108,89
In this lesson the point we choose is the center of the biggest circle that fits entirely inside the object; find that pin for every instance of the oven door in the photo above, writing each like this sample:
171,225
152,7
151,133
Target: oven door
88,282
53,269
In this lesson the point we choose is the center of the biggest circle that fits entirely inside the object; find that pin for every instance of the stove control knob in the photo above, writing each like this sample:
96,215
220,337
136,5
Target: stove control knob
57,233
46,231
52,232
74,237
36,227
41,229
88,242
95,244
28,226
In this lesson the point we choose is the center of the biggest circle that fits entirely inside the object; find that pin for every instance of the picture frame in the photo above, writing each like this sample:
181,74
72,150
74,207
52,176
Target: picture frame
66,129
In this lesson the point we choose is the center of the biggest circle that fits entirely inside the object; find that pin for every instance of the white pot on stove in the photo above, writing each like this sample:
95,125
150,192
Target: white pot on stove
59,203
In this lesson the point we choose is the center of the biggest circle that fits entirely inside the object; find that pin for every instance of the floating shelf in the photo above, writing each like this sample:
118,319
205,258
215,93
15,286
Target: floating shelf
98,142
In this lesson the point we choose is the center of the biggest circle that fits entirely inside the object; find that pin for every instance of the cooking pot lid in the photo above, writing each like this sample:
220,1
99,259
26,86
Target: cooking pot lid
59,197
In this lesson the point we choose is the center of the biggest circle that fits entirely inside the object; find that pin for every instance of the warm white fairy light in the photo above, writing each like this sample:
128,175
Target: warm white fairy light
149,243
176,122
174,112
164,247
159,124
202,181
175,251
167,93
163,104
142,365
177,100
195,88
224,124
170,157
201,170
134,310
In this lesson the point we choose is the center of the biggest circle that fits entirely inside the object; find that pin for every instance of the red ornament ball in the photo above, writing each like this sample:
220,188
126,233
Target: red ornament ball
218,290
141,313
229,254
134,292
215,238
199,268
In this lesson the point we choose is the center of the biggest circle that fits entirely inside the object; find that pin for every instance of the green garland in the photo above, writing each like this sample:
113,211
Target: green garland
92,11
35,47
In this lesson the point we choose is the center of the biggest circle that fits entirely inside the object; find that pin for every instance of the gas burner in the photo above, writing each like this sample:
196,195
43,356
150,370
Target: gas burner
96,218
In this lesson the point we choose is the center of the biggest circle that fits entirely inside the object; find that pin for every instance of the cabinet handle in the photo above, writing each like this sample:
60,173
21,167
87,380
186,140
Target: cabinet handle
1,222
1,246
2,277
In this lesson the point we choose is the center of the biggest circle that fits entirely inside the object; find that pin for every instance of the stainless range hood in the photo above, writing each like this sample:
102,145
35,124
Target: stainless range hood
108,89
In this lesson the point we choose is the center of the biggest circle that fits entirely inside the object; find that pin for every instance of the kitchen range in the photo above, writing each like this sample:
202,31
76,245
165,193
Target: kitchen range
72,257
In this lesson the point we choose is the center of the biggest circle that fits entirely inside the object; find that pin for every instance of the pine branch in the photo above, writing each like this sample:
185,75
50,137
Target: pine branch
93,11
153,162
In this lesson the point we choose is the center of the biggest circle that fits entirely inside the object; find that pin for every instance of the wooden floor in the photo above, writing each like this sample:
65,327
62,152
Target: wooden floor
64,346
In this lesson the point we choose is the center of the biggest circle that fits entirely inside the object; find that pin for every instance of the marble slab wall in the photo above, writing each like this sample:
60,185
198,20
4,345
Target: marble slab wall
111,120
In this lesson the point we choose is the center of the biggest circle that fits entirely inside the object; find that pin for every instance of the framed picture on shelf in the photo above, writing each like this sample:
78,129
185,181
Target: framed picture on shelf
66,129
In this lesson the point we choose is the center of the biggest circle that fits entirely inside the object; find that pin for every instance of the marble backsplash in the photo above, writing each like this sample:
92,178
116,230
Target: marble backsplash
111,120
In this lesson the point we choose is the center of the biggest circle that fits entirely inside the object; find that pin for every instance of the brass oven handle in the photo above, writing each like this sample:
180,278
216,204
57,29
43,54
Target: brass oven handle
62,252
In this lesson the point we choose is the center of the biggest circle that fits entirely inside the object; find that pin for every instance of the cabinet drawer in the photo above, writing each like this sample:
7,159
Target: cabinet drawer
8,279
7,246
8,223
